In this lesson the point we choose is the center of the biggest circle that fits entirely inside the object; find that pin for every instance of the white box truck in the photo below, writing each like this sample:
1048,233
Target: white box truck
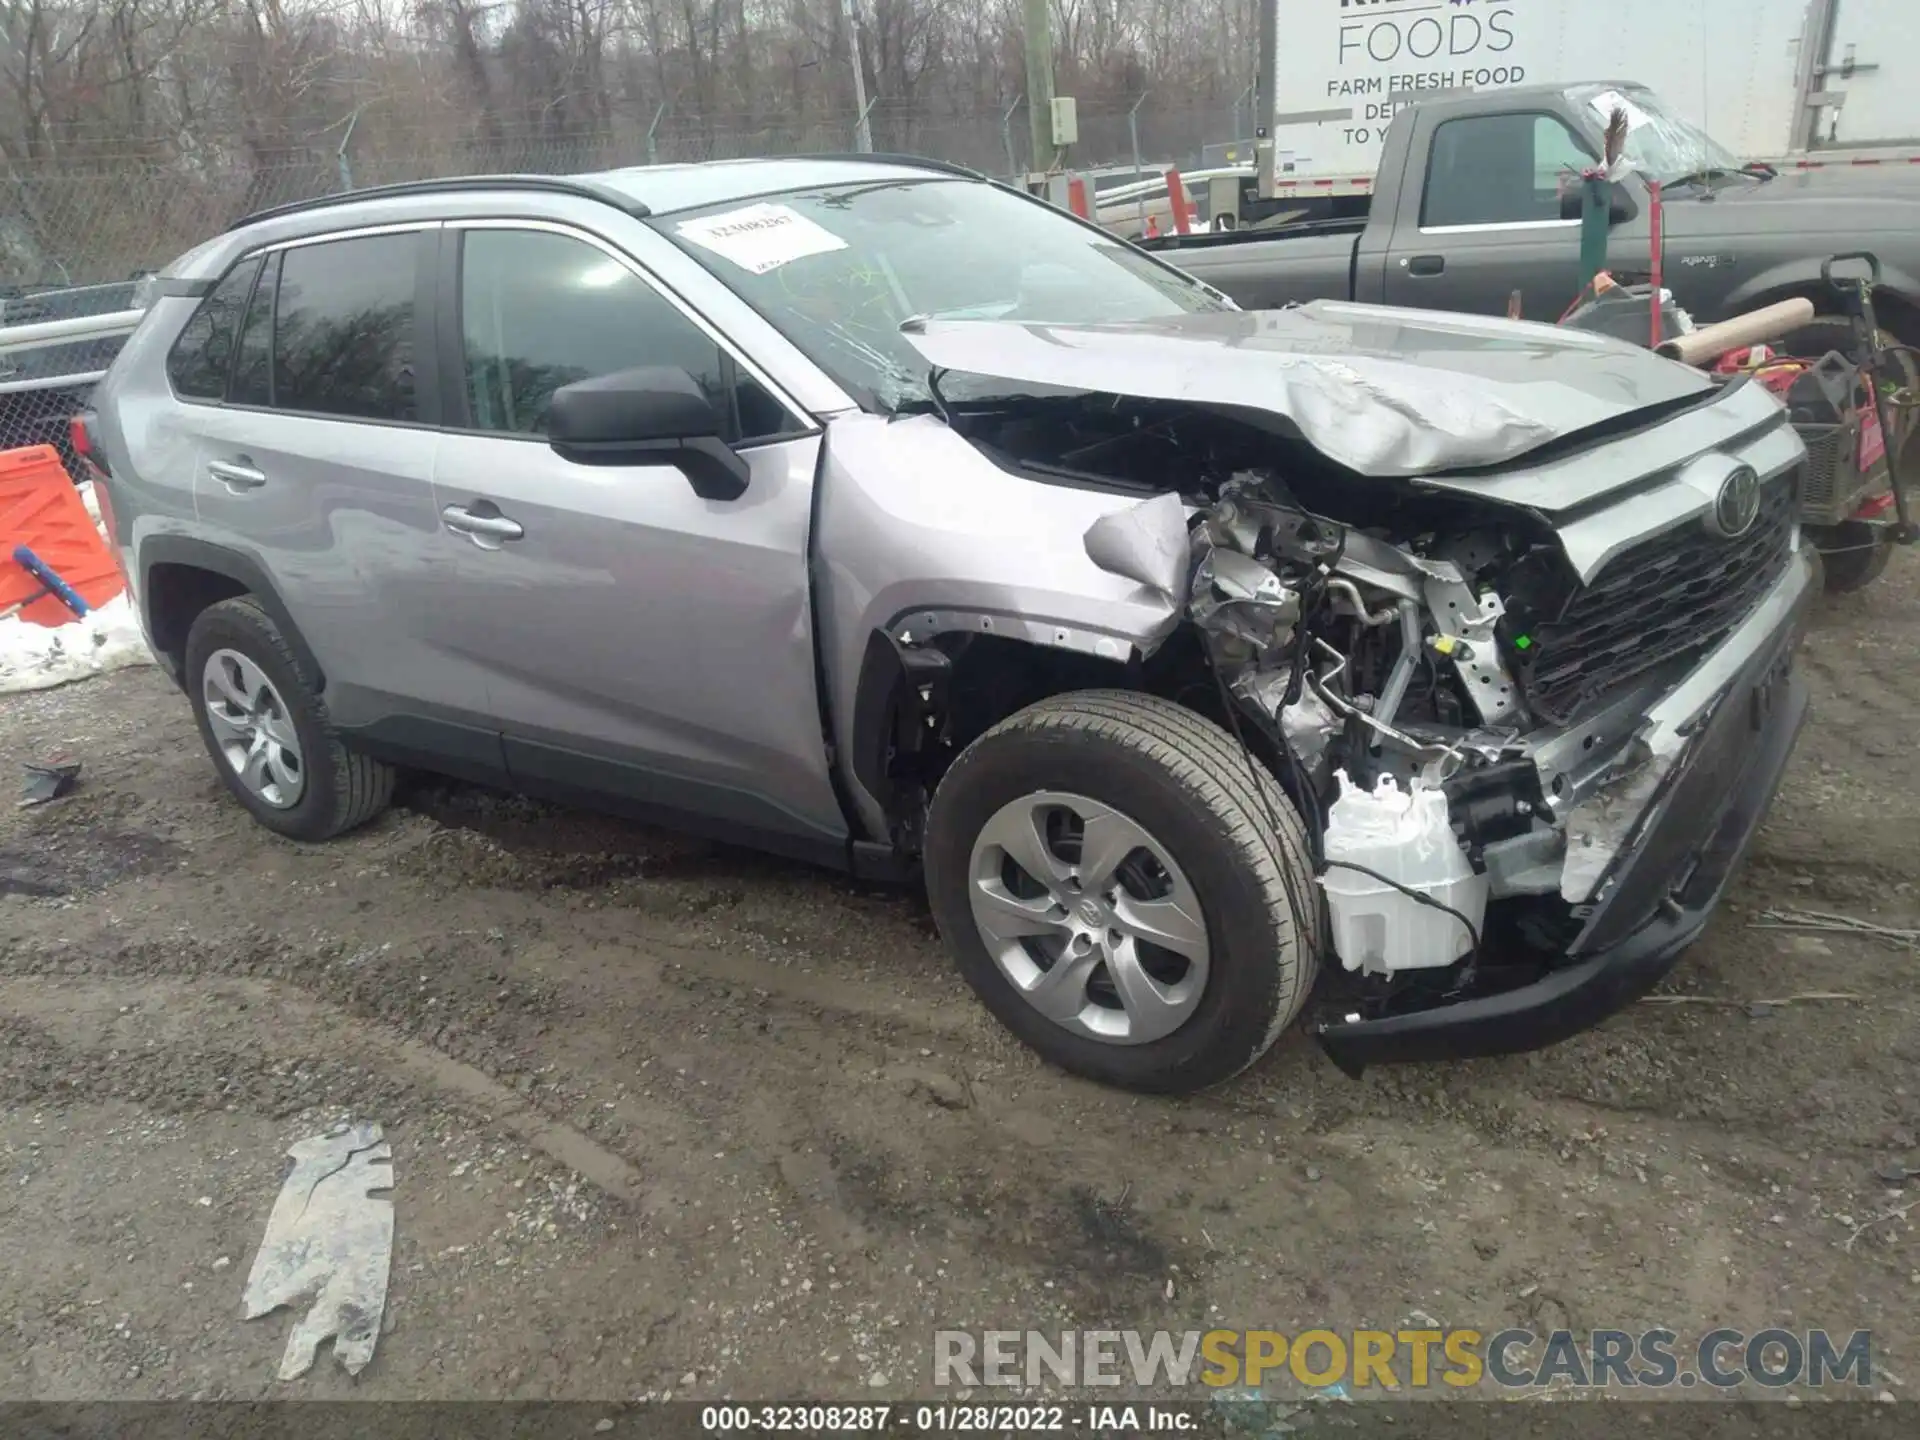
1800,81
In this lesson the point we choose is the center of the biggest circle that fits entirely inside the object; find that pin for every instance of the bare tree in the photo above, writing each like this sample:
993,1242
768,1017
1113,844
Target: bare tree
128,128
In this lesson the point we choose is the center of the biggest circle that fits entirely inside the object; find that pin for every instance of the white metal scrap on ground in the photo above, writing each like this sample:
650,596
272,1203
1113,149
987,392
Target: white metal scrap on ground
329,1242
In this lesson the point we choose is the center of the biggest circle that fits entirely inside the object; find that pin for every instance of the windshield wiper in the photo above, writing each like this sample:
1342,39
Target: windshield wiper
1706,175
1696,177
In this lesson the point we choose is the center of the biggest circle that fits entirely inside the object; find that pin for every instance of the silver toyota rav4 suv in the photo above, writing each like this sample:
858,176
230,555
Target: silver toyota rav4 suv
869,512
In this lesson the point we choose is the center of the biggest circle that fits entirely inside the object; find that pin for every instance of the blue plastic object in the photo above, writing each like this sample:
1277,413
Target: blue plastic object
47,576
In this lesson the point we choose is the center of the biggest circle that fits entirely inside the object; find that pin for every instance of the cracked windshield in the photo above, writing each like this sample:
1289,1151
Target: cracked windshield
1660,144
839,270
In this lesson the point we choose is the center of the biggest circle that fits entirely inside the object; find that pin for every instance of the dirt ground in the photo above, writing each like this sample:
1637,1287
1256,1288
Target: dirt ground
670,1118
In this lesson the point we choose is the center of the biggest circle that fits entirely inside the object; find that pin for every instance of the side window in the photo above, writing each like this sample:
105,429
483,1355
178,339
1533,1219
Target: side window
1557,152
1499,170
343,328
538,311
253,368
197,365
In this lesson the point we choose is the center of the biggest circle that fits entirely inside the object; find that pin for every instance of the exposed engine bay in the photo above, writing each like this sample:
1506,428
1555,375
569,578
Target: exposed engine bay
1390,647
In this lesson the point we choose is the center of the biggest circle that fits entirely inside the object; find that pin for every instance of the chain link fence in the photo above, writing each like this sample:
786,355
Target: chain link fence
42,385
111,220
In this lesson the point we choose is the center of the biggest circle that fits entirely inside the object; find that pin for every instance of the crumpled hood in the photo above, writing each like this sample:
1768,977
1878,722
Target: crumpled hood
1382,391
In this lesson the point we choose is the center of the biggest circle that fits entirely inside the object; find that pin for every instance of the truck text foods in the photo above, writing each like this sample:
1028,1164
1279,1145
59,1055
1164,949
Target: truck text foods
1341,69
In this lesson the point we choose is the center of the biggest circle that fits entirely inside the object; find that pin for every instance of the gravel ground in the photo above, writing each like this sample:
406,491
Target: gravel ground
667,1118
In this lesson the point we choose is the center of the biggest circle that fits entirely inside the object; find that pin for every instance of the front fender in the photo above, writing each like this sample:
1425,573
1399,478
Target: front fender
919,534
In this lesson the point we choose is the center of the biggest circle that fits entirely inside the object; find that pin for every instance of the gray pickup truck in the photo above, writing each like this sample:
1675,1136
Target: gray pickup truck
1470,205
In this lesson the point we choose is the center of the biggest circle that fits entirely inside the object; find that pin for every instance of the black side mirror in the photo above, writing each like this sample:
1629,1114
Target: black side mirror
1621,206
656,415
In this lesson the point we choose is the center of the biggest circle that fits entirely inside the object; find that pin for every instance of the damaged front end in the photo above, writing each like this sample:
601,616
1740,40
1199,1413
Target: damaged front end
1526,786
1508,614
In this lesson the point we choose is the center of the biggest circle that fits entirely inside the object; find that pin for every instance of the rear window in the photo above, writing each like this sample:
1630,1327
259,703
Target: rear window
203,354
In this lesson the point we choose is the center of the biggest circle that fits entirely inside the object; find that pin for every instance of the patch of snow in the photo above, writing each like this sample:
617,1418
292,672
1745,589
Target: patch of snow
37,657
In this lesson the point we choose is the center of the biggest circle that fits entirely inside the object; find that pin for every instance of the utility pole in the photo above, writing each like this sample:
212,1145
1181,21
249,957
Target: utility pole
862,127
1040,80
1264,98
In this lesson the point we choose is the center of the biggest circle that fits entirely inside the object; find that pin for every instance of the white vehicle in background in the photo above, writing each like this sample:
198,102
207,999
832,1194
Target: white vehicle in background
1787,81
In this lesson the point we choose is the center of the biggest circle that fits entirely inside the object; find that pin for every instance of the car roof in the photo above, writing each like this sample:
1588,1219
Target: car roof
654,189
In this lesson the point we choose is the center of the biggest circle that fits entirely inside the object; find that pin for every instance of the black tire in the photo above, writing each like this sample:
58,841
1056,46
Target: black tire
1820,335
341,790
1852,555
1191,786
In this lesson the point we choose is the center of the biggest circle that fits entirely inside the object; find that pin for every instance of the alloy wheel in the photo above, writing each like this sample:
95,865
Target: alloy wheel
1089,917
252,728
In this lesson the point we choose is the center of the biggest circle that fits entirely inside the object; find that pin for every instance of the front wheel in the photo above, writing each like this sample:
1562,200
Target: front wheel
1125,889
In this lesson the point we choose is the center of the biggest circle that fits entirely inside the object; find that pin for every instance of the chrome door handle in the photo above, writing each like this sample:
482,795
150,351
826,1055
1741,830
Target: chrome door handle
235,477
489,532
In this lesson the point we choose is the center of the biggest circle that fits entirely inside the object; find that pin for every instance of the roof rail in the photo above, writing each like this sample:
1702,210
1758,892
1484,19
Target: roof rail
924,162
552,184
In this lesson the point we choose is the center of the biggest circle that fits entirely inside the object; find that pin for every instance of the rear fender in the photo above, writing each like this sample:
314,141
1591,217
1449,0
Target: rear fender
242,570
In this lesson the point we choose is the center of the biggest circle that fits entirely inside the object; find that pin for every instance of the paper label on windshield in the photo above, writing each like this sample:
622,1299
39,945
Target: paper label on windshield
1608,101
760,238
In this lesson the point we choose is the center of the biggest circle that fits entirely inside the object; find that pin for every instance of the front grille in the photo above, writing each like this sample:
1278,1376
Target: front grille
1675,596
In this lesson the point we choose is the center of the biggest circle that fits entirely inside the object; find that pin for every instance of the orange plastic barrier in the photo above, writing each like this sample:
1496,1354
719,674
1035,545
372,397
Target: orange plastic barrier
40,509
1183,213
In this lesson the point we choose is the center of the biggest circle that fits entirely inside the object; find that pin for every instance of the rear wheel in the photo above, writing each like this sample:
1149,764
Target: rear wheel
1123,891
265,726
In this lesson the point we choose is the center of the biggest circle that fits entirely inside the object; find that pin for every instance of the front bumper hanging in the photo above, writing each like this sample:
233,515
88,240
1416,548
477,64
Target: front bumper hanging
1733,724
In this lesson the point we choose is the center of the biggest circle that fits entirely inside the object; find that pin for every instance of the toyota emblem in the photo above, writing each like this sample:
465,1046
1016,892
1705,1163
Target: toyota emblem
1737,505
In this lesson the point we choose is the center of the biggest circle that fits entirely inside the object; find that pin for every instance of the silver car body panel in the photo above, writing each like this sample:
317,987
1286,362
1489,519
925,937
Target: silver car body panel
640,624
400,610
1740,417
637,622
1611,795
1384,392
152,498
919,533
347,526
747,331
1686,492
